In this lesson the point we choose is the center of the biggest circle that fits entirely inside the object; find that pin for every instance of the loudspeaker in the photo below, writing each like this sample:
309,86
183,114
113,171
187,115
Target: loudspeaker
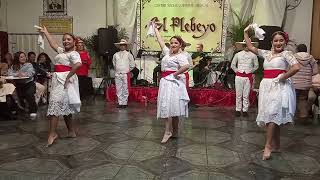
266,43
106,39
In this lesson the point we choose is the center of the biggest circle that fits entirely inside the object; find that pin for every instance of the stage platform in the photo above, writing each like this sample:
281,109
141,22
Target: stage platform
198,96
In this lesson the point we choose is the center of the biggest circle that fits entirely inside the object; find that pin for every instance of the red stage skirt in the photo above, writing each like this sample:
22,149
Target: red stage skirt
199,96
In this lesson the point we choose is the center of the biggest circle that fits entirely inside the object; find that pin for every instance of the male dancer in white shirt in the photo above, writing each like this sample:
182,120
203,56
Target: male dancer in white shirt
244,63
123,63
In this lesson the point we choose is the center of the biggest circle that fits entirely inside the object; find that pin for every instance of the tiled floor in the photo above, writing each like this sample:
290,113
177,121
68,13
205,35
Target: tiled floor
124,144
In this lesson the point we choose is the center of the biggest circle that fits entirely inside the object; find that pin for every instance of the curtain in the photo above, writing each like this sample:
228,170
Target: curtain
3,15
3,44
123,13
269,12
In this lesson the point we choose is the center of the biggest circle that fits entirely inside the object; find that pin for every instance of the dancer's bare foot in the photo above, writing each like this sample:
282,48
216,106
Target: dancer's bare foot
166,137
266,153
51,139
274,150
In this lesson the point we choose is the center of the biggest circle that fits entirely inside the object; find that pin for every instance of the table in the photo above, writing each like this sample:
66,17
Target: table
13,77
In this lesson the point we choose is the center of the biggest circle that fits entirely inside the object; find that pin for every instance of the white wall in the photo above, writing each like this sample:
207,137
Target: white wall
299,23
88,16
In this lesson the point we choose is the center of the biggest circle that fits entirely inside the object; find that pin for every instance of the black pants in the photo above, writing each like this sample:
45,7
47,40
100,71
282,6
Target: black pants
27,92
156,70
85,86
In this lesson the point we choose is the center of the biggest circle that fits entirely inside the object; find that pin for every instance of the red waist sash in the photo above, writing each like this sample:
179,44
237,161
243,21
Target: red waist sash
166,73
249,76
272,73
62,68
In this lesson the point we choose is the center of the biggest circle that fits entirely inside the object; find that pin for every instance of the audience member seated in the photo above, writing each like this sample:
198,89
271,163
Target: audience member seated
302,82
6,90
39,73
44,63
25,86
85,82
5,64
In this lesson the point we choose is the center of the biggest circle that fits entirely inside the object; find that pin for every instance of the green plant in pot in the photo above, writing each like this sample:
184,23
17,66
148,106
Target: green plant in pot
235,32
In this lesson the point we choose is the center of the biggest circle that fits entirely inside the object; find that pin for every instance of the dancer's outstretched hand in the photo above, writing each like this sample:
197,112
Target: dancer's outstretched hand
42,29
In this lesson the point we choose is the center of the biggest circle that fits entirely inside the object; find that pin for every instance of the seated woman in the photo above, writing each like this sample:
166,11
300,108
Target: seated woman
44,63
26,87
6,89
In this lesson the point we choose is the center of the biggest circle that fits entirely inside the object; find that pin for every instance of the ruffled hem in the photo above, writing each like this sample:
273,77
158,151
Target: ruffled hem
60,109
263,120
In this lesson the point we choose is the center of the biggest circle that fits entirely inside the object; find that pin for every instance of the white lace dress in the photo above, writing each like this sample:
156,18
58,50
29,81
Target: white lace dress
277,100
64,101
172,96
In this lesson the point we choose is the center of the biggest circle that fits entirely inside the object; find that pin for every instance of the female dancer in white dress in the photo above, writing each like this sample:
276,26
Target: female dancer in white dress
64,93
172,96
277,101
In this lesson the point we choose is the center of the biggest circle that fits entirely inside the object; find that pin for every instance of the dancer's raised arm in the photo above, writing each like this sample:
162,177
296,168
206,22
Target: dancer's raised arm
158,36
248,40
50,39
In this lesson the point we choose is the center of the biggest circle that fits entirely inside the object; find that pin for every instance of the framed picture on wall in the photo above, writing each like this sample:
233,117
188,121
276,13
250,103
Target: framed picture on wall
55,7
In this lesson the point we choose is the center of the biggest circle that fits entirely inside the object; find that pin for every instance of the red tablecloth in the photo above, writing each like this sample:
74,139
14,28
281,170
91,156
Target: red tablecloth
202,97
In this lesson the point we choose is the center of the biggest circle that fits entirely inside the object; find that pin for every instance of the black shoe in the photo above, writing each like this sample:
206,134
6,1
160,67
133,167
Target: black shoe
120,106
124,106
238,113
245,114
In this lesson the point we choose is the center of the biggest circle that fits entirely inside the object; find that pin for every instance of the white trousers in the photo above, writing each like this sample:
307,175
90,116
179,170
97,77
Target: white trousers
122,88
242,93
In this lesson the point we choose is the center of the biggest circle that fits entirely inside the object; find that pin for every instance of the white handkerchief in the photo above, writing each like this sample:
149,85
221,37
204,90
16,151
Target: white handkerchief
259,33
41,41
151,29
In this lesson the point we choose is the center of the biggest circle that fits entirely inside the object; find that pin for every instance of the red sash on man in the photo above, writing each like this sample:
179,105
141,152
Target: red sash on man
249,76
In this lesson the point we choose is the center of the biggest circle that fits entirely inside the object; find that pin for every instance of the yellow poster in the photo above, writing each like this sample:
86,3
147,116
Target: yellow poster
196,21
57,25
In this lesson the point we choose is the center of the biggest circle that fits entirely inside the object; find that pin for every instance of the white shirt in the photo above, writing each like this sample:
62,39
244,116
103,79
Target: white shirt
247,62
123,62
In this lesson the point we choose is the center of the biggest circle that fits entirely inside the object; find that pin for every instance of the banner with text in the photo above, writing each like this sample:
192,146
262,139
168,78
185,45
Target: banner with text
196,21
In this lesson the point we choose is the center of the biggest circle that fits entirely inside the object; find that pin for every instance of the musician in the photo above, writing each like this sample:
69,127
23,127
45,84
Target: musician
244,63
200,63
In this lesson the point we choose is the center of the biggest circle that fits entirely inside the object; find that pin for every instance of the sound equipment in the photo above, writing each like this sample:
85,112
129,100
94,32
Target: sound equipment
106,39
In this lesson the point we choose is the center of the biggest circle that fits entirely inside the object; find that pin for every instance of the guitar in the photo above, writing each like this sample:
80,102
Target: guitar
196,60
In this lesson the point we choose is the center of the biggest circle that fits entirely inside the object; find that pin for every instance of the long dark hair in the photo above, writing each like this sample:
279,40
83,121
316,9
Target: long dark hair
47,62
16,62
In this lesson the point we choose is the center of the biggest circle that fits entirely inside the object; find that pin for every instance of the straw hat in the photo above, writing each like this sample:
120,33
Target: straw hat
122,42
244,43
240,45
